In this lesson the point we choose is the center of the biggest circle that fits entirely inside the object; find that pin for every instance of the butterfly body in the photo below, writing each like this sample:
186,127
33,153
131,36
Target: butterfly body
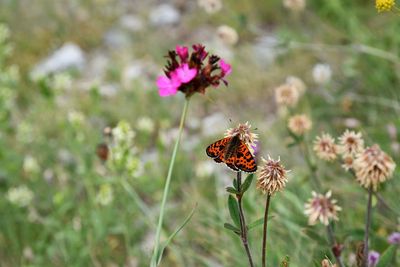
234,153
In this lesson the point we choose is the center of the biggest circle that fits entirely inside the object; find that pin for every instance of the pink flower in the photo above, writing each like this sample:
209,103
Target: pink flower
183,52
184,74
200,49
168,86
225,68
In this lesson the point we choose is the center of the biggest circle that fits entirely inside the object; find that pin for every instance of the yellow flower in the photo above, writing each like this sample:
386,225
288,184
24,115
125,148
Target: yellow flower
384,5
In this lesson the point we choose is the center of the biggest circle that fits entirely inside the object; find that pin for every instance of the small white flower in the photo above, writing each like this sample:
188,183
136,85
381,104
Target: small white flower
105,195
20,196
30,165
322,73
227,35
210,6
76,118
145,124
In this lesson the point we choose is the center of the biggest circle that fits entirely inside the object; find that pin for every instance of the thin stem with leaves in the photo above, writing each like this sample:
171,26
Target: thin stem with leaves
243,227
156,256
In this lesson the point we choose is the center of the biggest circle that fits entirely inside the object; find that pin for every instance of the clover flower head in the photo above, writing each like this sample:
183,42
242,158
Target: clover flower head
299,124
394,238
351,143
294,5
244,133
321,208
210,6
325,147
373,166
191,73
272,177
287,95
21,196
227,35
322,73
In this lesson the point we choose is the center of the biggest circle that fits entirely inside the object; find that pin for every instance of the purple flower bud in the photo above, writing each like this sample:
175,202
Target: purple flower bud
394,238
373,258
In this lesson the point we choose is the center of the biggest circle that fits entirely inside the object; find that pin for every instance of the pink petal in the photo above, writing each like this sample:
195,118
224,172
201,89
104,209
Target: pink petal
225,67
166,86
185,74
183,52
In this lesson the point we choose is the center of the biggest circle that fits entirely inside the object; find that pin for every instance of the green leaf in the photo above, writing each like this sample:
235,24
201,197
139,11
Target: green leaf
232,228
386,260
255,223
234,210
247,183
177,230
232,190
235,184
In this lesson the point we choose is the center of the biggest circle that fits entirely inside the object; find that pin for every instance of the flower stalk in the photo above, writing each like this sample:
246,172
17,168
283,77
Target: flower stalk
367,226
264,244
243,227
167,184
336,248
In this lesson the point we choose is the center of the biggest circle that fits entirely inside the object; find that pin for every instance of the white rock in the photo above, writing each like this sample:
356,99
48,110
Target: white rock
164,14
116,38
131,23
68,56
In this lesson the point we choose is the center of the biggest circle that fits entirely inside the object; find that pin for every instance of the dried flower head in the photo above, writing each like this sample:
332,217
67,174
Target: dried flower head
210,6
297,82
227,35
294,5
243,130
373,166
325,147
384,5
348,162
321,207
272,177
351,143
287,95
299,124
322,73
191,73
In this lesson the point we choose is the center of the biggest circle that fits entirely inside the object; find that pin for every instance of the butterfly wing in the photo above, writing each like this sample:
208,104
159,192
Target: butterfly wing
217,148
244,160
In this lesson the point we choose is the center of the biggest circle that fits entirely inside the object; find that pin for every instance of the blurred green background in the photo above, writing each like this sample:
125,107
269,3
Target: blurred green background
69,69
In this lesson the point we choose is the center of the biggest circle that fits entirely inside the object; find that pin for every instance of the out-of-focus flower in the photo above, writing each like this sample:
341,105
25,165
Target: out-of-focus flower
61,81
28,254
210,6
272,177
30,165
122,152
299,124
227,35
322,73
287,95
373,166
351,143
327,263
392,131
21,196
348,162
297,83
351,123
145,124
321,207
394,238
76,118
105,195
189,73
294,5
373,258
243,130
325,147
384,5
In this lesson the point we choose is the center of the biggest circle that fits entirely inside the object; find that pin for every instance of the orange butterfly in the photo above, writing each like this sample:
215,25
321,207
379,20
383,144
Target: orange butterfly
234,153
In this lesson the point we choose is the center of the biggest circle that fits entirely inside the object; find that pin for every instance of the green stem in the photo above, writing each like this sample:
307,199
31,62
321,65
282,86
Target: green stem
243,227
367,226
264,244
155,257
311,165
